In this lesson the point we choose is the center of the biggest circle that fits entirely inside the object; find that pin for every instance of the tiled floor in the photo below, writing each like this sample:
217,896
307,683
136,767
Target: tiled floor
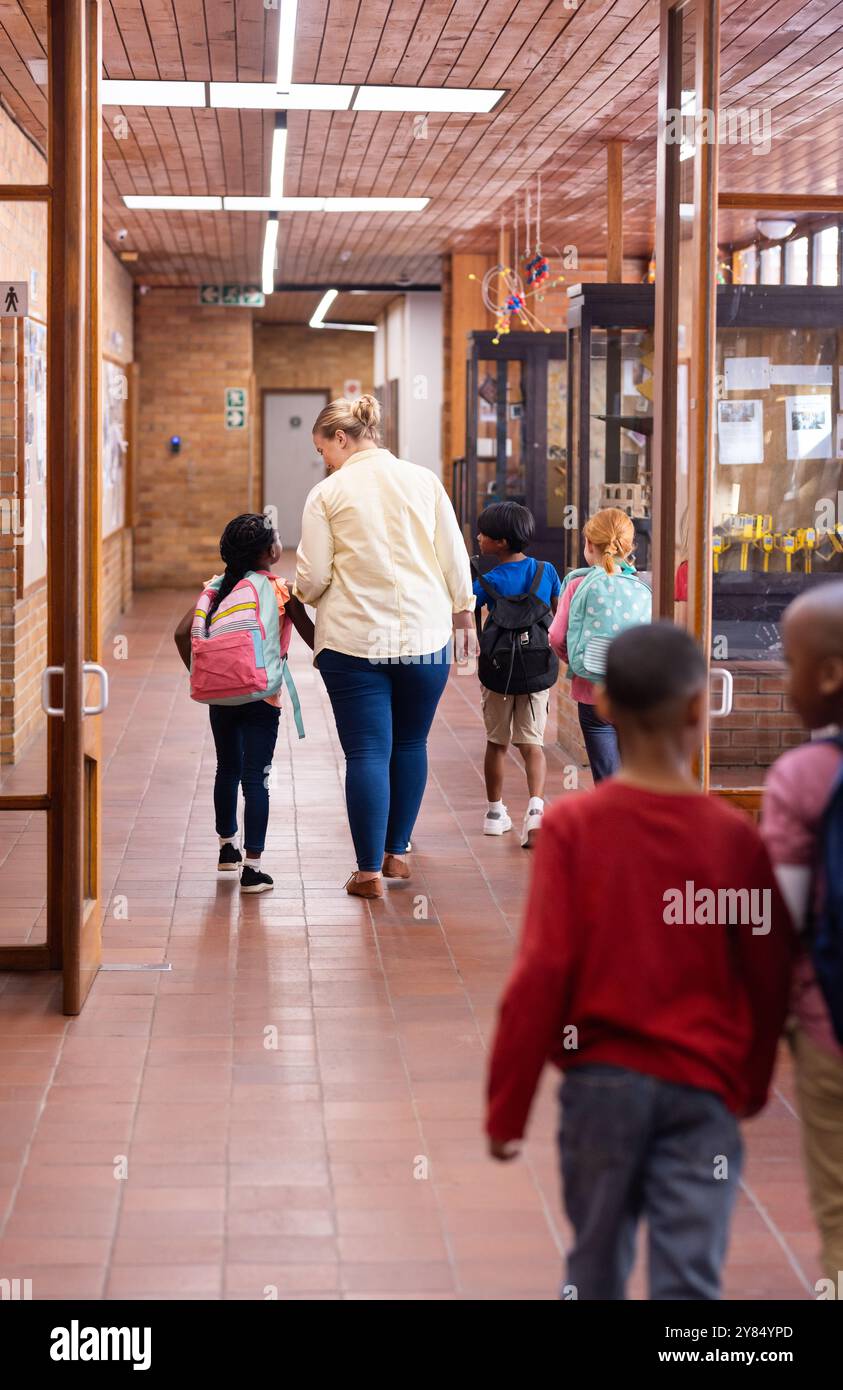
297,1105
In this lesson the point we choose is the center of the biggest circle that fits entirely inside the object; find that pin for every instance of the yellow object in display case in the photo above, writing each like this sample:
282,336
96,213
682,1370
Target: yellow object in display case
719,545
807,543
788,545
767,545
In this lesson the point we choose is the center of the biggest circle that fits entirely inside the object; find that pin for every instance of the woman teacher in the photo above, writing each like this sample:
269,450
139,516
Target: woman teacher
383,562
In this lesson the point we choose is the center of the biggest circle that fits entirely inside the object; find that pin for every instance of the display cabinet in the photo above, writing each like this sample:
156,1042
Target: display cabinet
777,477
516,433
610,421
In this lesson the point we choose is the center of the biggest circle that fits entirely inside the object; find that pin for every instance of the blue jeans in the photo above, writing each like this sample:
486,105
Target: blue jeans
244,736
601,743
383,711
634,1148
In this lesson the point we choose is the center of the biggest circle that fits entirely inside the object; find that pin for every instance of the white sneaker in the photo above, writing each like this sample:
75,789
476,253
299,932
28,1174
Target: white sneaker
497,822
531,826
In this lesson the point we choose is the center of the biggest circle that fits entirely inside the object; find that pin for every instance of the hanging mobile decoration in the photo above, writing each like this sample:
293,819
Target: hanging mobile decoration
505,291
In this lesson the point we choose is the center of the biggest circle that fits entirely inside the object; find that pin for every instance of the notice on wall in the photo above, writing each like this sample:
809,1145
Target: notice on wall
740,432
747,373
808,426
115,446
798,374
34,386
839,437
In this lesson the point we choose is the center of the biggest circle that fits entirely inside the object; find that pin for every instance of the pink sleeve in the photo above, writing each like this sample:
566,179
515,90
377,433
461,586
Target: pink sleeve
795,795
559,627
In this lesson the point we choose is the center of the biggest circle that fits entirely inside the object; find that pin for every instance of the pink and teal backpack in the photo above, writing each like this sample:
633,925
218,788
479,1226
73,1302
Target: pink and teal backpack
241,655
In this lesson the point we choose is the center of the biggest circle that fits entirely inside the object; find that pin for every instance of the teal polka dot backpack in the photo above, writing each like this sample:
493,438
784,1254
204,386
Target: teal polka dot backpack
603,606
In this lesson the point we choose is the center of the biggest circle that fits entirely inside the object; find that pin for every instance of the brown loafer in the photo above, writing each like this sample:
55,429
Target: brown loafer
368,888
393,867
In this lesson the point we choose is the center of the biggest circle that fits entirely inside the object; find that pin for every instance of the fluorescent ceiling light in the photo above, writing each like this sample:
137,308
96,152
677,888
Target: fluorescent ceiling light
237,204
470,99
353,327
270,242
286,42
265,96
269,204
176,203
322,308
375,204
153,93
279,150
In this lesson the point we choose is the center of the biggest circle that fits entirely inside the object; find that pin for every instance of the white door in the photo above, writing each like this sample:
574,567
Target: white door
291,465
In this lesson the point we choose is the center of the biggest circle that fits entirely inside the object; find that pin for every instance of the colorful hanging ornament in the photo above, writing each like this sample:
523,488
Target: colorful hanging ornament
506,292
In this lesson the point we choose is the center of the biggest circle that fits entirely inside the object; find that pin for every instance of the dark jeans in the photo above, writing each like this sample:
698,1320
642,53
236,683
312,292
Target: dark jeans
601,743
634,1148
244,736
383,711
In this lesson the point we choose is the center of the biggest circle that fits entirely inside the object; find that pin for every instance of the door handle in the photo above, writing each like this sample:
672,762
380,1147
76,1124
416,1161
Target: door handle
103,675
45,690
725,694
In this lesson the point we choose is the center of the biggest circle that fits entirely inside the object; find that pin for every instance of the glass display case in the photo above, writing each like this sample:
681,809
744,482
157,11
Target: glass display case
610,425
516,433
778,458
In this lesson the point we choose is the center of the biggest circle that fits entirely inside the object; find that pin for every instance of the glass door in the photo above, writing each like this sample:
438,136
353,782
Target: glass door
52,687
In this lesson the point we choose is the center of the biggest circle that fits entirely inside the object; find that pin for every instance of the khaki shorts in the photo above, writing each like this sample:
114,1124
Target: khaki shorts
515,718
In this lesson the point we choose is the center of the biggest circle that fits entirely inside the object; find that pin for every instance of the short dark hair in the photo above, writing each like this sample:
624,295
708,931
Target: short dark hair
652,665
508,521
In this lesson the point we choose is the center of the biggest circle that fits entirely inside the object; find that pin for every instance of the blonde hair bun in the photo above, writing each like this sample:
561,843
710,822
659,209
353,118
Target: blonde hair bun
358,419
367,410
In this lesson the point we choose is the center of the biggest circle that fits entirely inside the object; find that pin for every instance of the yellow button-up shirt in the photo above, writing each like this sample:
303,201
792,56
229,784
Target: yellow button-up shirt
382,559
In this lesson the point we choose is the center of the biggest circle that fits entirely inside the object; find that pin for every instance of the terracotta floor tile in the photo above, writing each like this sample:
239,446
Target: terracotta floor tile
291,1171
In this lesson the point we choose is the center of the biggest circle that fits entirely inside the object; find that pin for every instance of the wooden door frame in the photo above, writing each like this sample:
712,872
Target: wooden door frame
72,197
706,15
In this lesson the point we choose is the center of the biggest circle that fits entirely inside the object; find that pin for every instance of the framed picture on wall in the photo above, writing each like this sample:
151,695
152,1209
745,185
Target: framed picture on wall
31,526
115,444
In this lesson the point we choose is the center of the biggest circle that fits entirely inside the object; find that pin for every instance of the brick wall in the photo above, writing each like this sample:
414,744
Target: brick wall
188,354
762,724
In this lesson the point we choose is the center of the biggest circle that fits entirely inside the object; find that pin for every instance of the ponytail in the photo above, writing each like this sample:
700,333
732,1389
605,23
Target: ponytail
612,533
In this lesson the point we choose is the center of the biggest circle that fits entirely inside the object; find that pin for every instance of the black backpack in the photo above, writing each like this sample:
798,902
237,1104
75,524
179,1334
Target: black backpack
516,657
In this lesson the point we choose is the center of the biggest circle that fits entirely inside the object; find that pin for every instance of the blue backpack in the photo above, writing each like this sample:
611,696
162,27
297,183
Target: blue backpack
826,940
604,605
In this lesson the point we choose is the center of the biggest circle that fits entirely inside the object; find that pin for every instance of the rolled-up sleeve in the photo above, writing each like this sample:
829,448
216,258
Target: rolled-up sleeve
315,555
452,555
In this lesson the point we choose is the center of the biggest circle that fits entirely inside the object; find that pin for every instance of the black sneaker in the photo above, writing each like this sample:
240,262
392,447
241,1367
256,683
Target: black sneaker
252,881
230,858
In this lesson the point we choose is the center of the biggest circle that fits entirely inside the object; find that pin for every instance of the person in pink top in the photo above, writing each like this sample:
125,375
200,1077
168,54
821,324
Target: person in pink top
796,793
608,539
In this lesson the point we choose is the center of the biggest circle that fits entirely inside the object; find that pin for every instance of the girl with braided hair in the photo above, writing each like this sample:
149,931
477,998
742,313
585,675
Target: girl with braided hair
245,734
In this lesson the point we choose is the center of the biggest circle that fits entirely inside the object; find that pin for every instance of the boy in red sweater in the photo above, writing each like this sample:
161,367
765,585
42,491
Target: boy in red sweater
653,969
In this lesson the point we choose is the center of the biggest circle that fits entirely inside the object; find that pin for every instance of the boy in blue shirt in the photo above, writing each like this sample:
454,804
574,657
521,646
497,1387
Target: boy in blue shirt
505,530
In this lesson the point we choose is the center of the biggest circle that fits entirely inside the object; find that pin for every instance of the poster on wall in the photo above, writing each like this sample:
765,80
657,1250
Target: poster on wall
34,414
808,426
114,446
740,432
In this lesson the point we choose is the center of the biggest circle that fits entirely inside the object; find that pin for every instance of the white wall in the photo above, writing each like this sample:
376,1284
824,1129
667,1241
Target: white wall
408,346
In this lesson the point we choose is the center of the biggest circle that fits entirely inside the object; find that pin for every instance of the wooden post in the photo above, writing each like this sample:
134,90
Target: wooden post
466,313
614,212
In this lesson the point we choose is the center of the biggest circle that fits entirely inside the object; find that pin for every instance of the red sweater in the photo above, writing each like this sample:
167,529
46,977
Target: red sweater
698,1004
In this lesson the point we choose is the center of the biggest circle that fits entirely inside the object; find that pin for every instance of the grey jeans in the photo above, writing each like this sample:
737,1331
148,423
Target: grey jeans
635,1148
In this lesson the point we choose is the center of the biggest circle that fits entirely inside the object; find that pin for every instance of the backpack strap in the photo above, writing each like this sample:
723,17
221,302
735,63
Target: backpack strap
294,696
490,589
537,579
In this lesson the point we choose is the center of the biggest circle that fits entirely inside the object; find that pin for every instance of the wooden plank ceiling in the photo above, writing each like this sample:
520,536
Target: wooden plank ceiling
574,77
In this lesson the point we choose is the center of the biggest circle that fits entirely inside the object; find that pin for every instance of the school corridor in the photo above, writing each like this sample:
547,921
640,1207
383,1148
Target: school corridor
296,1102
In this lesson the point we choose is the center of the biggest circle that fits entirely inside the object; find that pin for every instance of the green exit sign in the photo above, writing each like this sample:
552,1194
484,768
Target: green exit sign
233,296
